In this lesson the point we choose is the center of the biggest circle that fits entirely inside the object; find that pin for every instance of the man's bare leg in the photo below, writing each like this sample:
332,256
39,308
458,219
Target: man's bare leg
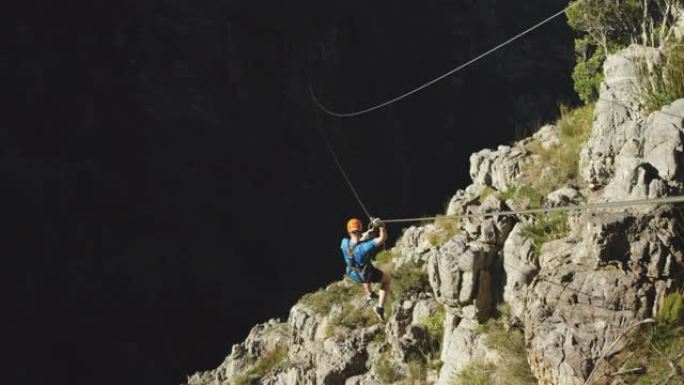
384,289
367,287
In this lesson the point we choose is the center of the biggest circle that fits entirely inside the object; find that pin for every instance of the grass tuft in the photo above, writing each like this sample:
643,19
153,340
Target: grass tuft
353,318
385,371
435,329
417,371
545,228
658,350
671,311
323,300
665,83
486,191
410,279
525,195
558,165
509,342
274,359
384,256
447,228
476,373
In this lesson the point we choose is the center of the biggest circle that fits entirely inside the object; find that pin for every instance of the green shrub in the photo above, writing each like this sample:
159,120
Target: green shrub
513,368
588,75
475,373
525,195
607,26
323,300
435,329
380,337
671,311
509,342
486,191
273,359
604,27
417,371
655,347
352,318
385,371
558,165
665,83
545,228
410,279
574,126
447,228
384,256
503,310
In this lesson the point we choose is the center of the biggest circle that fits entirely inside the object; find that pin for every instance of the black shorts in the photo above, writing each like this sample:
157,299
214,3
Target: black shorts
374,274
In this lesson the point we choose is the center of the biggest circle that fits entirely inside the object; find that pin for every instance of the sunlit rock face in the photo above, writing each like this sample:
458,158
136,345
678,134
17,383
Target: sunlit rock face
573,296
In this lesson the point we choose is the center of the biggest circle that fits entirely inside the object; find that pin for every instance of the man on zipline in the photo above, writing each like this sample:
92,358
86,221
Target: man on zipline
358,251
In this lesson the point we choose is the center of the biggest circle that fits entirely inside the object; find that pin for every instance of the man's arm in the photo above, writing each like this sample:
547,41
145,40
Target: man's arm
382,237
380,225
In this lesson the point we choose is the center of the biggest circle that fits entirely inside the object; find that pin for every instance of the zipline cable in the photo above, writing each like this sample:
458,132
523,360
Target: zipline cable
568,208
435,80
589,206
344,174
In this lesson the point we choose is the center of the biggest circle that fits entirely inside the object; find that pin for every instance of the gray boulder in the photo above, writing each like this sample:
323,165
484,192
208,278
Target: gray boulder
547,136
616,117
587,293
339,360
500,169
564,196
520,265
461,345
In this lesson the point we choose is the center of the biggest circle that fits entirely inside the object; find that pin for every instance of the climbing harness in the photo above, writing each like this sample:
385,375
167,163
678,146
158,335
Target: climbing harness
363,271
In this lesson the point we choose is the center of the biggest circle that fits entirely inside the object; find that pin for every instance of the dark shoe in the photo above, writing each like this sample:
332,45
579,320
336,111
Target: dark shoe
380,312
370,299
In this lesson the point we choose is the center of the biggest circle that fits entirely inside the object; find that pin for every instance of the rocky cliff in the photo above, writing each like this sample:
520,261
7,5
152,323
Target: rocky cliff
547,299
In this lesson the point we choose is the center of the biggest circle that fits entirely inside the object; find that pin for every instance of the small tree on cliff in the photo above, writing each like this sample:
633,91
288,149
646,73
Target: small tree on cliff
605,26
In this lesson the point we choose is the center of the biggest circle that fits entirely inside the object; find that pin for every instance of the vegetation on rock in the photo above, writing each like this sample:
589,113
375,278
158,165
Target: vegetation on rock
271,360
446,228
665,83
412,278
323,300
607,26
385,371
656,353
545,228
512,367
558,165
435,330
475,373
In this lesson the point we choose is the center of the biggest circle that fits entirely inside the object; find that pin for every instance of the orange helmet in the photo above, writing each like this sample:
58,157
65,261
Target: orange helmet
354,224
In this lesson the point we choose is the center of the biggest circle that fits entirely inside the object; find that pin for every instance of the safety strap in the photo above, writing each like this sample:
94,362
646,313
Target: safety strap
353,266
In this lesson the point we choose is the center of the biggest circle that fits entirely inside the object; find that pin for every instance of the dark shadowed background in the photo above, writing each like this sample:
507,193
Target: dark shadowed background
165,183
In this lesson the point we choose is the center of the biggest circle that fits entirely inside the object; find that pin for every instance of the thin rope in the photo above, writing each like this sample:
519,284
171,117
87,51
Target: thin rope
433,81
344,174
590,206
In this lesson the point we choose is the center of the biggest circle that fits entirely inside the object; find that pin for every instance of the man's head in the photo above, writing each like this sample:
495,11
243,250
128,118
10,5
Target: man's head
354,227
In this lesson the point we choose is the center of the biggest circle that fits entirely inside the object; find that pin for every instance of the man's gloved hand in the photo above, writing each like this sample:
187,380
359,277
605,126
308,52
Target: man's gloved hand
367,235
377,223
